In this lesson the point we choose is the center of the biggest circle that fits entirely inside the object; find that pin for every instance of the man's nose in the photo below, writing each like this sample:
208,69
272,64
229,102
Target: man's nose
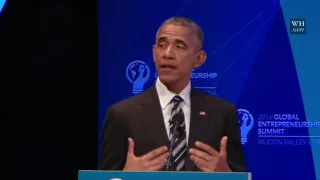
169,53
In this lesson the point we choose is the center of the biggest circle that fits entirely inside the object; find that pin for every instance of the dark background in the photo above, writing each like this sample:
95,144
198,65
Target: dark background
48,88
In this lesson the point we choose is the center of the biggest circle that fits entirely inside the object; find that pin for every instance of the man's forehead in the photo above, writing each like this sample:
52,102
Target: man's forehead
176,30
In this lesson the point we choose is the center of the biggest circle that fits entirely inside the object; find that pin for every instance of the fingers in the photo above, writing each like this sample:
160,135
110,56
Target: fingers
208,159
208,149
154,160
156,152
130,146
200,163
156,167
158,162
200,154
223,147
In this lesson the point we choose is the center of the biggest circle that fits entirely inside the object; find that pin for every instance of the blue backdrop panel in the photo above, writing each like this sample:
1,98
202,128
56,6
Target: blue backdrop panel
305,50
2,2
257,57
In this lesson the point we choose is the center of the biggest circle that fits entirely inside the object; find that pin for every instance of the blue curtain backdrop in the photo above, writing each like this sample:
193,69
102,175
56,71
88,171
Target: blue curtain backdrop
2,2
257,59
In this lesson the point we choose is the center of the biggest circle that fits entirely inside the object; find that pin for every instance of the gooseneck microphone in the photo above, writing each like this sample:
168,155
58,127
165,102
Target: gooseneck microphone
176,122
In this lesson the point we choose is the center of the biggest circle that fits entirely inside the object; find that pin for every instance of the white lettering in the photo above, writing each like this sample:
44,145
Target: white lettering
270,131
297,23
205,75
294,23
286,117
298,29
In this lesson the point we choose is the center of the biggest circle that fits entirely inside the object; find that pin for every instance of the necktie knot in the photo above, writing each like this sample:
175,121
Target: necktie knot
177,99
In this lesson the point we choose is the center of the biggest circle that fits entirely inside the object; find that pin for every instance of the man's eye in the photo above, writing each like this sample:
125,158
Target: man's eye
161,45
180,47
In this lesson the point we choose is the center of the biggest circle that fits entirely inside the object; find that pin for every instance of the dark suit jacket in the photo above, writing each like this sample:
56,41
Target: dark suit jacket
140,117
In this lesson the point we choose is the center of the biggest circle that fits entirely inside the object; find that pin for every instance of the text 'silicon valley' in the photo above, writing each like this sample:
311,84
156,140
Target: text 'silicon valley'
298,26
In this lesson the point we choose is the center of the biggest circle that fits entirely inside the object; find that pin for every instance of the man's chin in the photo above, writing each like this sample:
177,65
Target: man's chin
167,80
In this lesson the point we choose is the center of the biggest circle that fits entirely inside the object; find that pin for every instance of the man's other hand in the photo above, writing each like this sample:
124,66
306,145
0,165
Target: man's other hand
209,160
152,161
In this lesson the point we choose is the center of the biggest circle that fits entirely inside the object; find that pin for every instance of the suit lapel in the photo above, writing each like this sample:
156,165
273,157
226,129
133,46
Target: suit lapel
198,124
152,118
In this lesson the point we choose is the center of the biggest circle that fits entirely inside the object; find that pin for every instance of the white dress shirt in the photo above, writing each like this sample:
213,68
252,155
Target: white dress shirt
165,96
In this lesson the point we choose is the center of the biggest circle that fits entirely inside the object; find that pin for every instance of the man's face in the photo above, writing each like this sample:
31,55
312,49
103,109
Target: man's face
176,53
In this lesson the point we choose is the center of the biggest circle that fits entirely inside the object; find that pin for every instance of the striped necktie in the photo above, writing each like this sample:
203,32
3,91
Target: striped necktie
179,150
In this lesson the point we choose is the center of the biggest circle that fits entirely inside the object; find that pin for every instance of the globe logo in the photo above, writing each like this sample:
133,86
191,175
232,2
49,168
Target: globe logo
137,73
246,122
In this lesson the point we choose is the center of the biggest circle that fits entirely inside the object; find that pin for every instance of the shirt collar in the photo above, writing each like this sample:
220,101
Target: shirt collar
165,96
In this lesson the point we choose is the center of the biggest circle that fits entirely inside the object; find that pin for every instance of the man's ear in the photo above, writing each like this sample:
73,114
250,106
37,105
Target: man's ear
201,58
153,52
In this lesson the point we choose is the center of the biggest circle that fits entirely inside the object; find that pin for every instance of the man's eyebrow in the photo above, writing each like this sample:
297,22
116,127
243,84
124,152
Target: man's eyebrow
178,41
162,39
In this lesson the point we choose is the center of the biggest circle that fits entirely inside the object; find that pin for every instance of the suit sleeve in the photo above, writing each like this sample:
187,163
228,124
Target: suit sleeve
235,153
114,142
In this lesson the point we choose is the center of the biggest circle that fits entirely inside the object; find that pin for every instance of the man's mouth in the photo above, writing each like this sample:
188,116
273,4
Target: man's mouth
167,67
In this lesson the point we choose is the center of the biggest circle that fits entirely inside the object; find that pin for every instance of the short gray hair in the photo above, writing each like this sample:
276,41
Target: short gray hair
183,21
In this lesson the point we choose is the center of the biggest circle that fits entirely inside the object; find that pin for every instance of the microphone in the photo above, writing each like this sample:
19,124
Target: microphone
176,121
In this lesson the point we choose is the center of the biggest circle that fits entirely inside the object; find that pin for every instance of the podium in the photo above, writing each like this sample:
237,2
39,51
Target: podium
121,175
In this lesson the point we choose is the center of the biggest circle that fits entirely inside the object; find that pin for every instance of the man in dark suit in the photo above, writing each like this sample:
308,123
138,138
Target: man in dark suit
202,130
